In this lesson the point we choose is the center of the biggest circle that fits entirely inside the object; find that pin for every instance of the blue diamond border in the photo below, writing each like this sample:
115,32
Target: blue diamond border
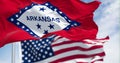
14,18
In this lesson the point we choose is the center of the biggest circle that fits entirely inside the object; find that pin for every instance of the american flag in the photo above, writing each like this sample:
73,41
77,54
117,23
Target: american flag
57,49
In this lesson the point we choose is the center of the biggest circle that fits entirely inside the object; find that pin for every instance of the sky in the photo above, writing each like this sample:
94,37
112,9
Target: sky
107,19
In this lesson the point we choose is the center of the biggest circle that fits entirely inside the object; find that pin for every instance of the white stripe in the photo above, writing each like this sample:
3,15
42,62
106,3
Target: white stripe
60,40
56,37
97,58
71,53
79,60
99,62
89,60
84,59
95,41
71,61
89,52
56,48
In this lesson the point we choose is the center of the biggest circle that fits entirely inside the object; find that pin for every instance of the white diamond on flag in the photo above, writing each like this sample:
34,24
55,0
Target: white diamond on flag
40,19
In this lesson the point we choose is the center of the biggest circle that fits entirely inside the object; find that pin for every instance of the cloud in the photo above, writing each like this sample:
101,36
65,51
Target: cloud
107,19
112,49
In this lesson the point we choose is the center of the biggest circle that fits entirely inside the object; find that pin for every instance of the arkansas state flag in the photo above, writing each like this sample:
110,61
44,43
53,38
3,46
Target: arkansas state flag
9,31
26,19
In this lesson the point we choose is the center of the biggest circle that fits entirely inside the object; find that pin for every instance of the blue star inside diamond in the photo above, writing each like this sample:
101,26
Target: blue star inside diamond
38,26
42,9
45,31
51,26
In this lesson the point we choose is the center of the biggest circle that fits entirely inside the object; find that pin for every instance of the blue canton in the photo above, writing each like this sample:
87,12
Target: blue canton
37,50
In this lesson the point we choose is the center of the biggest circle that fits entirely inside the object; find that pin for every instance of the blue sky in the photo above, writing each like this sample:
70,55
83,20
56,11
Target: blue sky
107,19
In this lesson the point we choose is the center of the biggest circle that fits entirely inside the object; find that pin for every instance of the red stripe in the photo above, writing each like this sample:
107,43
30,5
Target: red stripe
69,42
77,48
57,38
66,42
76,57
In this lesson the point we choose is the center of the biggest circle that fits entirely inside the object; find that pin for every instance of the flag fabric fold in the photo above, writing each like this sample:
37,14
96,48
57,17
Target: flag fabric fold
80,12
57,49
